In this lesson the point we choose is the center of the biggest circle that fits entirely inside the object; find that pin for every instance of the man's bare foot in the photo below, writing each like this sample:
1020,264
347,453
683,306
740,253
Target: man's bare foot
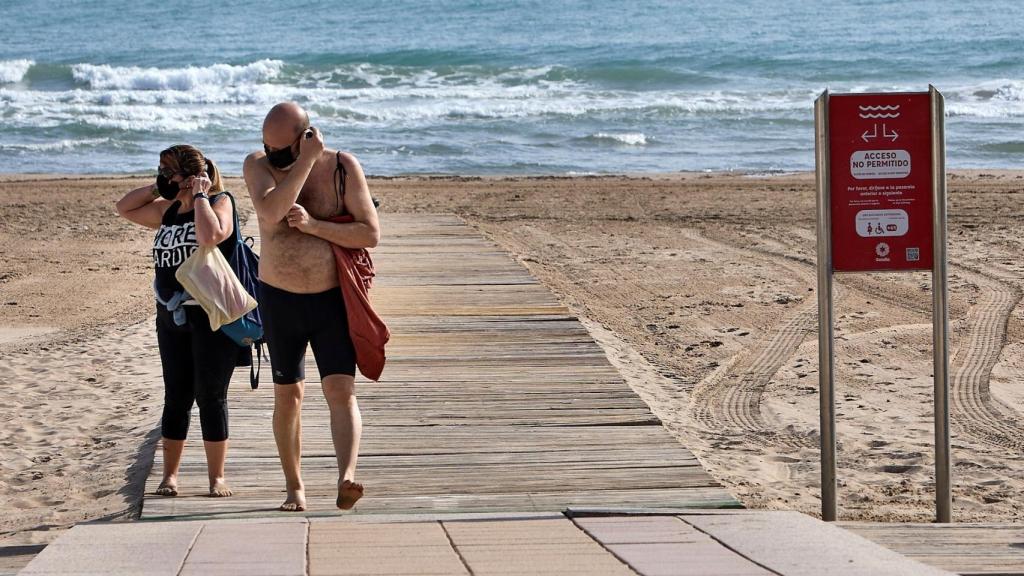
168,487
219,488
349,493
295,502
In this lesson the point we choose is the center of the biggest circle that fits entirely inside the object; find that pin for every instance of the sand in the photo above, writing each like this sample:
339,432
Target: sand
701,287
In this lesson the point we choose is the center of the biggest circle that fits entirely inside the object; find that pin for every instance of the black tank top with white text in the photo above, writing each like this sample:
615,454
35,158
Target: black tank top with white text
174,242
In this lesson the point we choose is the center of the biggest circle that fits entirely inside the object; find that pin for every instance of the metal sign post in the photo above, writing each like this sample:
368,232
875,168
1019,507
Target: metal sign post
826,396
940,312
881,206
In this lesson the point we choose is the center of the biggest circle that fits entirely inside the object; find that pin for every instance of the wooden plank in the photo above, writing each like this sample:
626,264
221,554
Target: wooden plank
962,548
199,507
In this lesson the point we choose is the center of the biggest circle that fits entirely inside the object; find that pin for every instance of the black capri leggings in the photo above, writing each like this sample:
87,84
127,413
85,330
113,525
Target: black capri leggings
197,365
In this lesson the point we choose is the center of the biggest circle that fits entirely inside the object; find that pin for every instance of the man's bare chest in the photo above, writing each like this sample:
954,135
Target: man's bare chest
321,197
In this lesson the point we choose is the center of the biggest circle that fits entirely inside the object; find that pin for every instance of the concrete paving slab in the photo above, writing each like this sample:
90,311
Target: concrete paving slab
135,548
267,534
672,558
253,548
626,511
531,547
254,532
515,531
342,552
291,553
793,544
386,565
341,547
244,569
407,535
377,539
124,560
640,530
520,564
278,518
341,571
430,517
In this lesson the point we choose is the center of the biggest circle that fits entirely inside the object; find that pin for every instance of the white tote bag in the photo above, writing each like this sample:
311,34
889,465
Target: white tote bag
208,278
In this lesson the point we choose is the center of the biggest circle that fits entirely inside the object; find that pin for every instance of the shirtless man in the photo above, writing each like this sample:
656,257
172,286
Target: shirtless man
296,184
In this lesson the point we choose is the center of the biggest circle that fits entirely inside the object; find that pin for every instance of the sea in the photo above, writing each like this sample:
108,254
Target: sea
510,87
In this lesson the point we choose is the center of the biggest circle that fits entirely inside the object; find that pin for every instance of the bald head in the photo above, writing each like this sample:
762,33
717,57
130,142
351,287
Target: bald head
283,124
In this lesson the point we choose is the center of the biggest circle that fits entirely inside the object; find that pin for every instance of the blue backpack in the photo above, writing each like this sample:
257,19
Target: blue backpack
247,331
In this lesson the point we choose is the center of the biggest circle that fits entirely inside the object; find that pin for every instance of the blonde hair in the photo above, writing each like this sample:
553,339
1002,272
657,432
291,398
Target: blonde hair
193,162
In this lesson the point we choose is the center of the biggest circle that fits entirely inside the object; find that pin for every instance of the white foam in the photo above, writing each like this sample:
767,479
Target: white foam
370,96
423,102
1002,98
524,73
14,70
392,77
58,146
108,77
630,139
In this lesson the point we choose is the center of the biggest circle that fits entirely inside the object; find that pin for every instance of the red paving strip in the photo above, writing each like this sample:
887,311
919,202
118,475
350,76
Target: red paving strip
344,549
548,546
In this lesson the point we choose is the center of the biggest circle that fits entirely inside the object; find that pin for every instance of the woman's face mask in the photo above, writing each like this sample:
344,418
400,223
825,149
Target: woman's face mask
167,188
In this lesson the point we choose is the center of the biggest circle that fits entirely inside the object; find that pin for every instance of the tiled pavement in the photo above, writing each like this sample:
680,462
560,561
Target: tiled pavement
732,543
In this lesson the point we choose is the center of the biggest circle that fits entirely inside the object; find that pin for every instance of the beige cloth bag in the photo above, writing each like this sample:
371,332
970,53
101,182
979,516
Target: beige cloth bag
209,279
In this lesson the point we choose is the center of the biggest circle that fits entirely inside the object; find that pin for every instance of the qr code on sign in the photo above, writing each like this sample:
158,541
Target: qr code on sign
913,254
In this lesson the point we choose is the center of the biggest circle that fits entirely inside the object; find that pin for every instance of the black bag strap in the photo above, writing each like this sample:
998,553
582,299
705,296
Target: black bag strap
254,369
234,216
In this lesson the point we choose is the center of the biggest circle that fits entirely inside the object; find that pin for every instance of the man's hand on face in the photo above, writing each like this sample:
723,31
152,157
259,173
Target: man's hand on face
299,219
311,143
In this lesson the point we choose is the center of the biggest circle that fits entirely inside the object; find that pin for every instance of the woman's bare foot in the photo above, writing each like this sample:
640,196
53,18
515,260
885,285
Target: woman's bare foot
295,501
168,486
219,488
349,493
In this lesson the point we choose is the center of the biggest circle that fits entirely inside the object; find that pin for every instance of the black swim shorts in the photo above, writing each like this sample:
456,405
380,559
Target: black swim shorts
291,321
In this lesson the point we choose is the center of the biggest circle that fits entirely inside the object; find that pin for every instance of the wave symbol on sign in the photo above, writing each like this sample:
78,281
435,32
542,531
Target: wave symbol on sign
880,111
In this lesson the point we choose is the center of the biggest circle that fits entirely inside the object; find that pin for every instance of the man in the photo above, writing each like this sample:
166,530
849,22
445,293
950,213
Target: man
296,186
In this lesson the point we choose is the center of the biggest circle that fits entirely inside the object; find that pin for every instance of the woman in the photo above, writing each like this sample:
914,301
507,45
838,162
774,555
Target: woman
187,209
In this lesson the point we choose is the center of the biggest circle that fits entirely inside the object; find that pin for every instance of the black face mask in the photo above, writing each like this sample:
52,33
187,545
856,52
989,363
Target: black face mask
280,159
168,189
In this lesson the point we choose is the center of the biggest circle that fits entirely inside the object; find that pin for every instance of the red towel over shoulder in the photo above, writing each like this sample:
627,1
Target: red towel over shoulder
368,331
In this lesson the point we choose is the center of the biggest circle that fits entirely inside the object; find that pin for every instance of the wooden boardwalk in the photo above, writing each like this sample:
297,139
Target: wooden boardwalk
494,398
968,549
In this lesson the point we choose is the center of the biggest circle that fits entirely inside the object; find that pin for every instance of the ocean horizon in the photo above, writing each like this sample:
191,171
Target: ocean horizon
516,88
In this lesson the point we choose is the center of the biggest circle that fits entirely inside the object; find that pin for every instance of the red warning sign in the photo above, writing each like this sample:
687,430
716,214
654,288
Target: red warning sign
880,155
